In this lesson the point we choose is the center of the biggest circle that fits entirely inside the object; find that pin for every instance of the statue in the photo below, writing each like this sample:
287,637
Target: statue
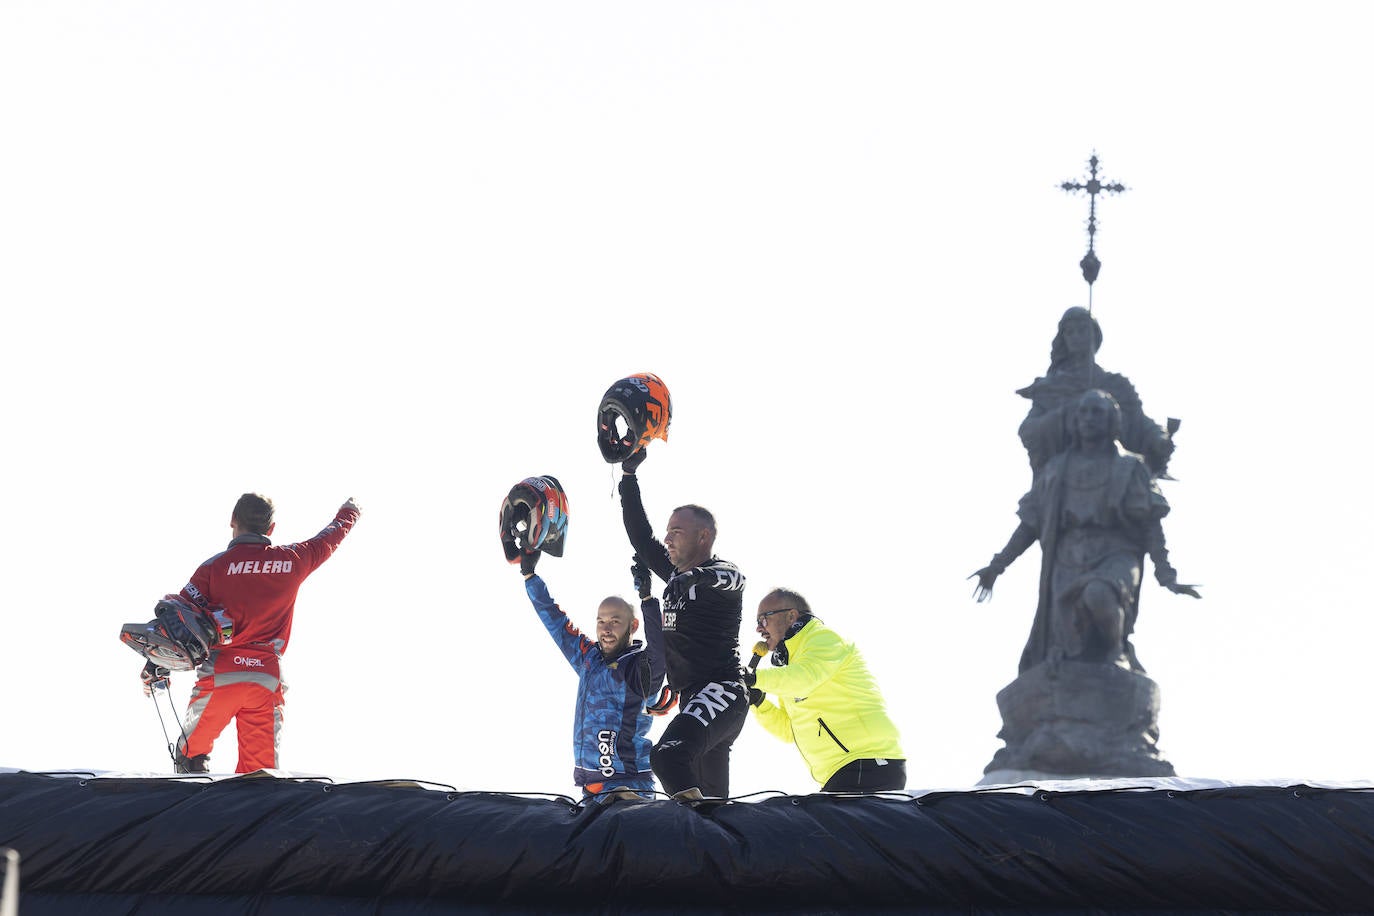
1074,370
1081,704
1096,511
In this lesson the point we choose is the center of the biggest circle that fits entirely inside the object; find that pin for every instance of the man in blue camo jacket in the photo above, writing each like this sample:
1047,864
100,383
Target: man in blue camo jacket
618,683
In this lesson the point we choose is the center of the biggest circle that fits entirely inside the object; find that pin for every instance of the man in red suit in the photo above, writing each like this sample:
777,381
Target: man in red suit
255,583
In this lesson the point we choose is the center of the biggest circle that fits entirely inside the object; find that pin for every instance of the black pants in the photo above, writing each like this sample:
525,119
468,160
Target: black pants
694,751
868,775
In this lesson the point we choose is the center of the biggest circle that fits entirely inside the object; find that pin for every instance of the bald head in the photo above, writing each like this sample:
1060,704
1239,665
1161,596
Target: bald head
615,624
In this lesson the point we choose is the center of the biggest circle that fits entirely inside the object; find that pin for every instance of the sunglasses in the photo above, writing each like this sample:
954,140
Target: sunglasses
763,618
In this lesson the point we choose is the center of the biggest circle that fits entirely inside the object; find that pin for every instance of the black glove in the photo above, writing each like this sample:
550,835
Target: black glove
756,696
527,561
749,677
634,461
643,578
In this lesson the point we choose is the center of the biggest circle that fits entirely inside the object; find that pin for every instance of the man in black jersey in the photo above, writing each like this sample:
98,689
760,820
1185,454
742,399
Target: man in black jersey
702,614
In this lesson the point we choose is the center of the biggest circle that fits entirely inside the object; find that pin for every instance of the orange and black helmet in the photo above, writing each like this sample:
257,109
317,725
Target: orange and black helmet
534,517
634,410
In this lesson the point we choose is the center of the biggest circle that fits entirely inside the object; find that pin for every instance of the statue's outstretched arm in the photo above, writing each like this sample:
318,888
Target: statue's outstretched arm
1165,573
1021,538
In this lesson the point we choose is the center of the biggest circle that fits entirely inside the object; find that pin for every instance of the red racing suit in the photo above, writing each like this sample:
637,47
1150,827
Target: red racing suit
256,584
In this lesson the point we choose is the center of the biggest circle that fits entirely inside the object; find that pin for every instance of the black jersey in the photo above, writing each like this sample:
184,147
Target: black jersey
702,606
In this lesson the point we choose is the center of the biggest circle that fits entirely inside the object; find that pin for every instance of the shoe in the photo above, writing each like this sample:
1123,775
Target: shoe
197,764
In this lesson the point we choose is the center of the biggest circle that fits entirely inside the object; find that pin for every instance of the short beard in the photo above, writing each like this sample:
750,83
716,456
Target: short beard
618,650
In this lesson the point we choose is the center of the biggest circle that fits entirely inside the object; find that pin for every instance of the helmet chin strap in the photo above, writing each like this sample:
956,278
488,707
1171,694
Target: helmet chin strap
526,514
614,444
171,710
519,524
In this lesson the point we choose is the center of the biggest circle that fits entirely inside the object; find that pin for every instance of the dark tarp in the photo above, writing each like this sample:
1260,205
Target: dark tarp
267,845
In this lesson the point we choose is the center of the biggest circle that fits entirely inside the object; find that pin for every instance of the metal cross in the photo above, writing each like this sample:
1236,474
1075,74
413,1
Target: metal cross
1090,264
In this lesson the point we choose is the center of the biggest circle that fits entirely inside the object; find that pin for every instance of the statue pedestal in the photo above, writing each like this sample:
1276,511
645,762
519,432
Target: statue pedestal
1071,720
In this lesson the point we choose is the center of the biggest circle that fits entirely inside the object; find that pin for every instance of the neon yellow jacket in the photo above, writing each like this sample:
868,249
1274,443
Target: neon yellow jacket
825,701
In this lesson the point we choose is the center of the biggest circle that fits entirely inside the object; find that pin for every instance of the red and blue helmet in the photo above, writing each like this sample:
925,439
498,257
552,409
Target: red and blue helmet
534,517
641,405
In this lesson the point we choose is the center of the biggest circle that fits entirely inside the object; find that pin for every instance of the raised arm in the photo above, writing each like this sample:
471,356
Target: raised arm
319,548
648,548
566,636
653,650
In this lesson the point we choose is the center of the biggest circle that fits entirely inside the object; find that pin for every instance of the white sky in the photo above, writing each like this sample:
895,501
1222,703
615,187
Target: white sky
399,251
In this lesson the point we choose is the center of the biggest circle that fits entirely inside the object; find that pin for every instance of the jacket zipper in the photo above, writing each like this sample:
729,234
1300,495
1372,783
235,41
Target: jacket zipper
827,730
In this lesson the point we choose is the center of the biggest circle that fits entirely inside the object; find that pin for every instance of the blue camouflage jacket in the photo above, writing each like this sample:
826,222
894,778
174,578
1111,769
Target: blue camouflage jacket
610,727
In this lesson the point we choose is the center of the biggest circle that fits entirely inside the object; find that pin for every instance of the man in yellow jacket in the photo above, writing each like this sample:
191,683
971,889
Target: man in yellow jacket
820,696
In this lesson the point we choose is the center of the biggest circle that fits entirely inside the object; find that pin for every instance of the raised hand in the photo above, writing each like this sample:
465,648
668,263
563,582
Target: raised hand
632,463
643,578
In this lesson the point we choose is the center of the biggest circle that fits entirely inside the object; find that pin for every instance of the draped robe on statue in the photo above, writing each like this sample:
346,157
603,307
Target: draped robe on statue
1092,515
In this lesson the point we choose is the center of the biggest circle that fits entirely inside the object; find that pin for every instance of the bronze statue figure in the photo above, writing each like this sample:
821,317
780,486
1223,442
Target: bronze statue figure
1073,370
1096,511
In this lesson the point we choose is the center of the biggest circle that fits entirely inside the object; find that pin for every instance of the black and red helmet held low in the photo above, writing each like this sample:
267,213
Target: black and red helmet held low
180,636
